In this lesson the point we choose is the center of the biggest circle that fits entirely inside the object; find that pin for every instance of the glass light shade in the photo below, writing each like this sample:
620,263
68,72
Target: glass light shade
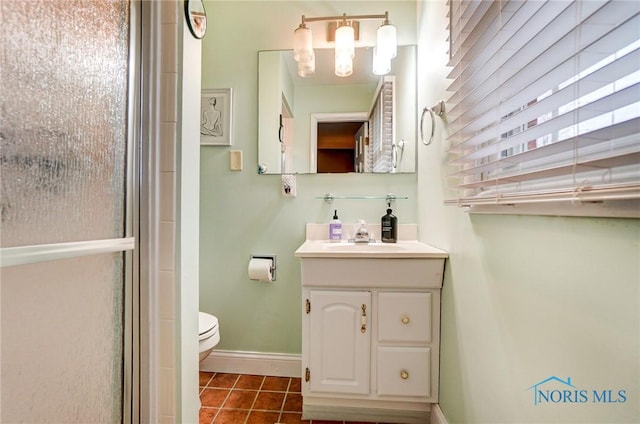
345,41
302,43
387,41
381,64
344,64
307,67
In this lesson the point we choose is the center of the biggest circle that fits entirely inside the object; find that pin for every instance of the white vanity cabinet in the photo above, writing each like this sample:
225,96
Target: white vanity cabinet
370,333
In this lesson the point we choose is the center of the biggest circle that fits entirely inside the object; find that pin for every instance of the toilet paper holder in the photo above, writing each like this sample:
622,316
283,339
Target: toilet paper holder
273,263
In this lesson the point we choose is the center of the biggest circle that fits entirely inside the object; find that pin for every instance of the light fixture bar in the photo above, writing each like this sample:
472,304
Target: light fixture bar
345,28
345,16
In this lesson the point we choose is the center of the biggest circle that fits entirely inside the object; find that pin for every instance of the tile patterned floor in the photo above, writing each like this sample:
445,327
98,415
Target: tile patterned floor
252,399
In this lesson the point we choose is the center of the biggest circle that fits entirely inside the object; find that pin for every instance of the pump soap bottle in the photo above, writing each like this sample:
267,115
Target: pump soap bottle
389,224
335,228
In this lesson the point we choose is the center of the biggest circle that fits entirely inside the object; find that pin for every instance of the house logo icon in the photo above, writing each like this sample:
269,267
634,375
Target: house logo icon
560,389
554,390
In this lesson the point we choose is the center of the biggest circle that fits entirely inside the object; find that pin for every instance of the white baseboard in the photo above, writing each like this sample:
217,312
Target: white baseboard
273,364
437,416
337,413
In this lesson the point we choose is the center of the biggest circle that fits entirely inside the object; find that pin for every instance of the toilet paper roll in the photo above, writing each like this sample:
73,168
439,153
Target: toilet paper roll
260,269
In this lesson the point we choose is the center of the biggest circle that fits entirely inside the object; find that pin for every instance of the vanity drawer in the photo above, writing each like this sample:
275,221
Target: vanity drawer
404,317
404,371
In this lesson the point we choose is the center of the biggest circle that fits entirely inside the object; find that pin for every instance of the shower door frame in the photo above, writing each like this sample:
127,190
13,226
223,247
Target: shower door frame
133,239
139,22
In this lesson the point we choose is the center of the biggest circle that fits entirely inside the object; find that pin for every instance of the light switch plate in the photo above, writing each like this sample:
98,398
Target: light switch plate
235,160
288,185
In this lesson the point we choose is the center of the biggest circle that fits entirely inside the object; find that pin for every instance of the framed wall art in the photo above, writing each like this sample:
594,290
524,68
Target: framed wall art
215,117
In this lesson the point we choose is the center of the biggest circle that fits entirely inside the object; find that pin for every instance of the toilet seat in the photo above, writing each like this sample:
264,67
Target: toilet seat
207,326
208,334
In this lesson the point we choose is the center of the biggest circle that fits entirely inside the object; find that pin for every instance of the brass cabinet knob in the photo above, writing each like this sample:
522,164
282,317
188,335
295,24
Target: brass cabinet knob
404,319
404,374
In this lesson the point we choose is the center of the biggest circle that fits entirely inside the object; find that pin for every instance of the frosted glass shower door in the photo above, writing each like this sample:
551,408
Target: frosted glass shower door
67,211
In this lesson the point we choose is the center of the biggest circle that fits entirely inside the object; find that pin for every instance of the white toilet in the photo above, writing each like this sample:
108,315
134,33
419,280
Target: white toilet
209,334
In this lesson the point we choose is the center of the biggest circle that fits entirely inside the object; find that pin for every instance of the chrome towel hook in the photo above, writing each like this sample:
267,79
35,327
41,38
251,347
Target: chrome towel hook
437,109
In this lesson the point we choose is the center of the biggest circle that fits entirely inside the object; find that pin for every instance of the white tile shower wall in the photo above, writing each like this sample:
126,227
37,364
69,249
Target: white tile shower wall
167,203
167,151
166,295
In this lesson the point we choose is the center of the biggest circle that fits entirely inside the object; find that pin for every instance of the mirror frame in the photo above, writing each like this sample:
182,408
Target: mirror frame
196,16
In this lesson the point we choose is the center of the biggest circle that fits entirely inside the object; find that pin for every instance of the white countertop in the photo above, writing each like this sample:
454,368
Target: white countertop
318,247
400,249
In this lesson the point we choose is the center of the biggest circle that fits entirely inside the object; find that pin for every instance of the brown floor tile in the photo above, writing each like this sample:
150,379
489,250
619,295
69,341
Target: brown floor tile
222,380
292,418
205,377
252,399
207,415
276,384
240,399
251,382
293,402
270,401
213,397
296,385
231,416
263,417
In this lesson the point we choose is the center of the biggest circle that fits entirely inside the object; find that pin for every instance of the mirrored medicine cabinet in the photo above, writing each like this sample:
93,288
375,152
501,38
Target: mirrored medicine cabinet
324,123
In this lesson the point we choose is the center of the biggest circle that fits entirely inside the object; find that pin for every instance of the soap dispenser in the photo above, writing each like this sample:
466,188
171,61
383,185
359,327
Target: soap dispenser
389,224
335,228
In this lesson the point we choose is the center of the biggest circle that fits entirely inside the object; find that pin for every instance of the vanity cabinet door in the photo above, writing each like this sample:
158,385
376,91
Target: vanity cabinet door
339,341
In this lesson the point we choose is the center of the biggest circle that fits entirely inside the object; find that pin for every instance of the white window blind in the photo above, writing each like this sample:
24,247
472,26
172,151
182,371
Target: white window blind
545,104
379,155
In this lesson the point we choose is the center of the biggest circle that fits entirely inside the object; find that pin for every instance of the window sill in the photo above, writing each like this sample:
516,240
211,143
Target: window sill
604,209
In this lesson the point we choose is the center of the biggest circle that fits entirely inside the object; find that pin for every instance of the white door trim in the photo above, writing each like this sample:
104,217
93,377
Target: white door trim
327,117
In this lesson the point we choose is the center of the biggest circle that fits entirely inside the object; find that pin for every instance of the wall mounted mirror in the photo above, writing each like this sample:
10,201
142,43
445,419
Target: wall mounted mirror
324,123
196,17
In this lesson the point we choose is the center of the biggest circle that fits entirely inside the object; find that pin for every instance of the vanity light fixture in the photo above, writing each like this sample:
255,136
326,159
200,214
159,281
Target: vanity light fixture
307,66
386,39
345,35
345,49
381,64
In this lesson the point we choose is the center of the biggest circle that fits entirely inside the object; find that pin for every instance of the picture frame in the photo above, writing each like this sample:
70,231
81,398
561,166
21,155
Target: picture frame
216,108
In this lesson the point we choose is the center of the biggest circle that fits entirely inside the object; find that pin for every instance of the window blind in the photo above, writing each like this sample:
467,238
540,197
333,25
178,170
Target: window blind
545,102
379,155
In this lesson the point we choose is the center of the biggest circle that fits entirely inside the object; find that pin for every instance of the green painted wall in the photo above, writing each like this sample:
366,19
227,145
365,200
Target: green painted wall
526,297
242,212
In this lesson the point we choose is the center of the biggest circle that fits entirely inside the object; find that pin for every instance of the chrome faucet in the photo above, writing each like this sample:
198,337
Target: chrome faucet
362,234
